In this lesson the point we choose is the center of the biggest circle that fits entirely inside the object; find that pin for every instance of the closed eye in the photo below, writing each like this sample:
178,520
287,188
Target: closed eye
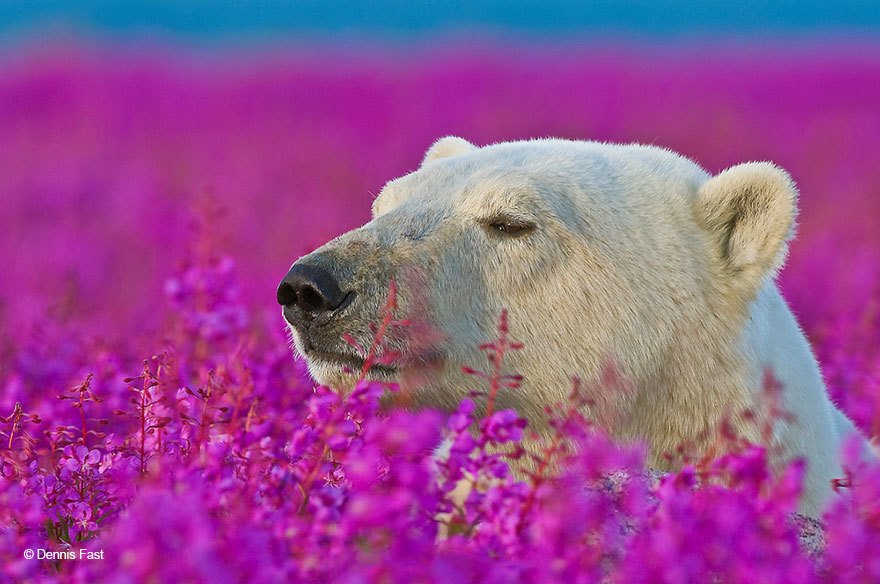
509,226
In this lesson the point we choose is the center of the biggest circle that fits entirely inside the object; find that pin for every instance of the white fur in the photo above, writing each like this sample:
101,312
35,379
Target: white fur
638,256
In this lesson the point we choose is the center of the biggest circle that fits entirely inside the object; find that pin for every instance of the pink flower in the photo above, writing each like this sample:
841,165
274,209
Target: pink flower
80,459
504,426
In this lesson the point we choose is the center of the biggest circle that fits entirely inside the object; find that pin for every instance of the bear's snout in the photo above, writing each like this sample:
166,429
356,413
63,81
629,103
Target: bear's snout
308,292
328,299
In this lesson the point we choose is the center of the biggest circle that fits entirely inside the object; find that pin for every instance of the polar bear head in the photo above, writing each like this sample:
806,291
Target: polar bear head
600,252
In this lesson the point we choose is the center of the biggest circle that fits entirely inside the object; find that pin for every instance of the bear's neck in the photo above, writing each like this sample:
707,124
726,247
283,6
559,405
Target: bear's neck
684,417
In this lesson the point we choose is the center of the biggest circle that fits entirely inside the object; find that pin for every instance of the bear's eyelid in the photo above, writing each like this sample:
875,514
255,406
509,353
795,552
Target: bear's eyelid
508,218
509,225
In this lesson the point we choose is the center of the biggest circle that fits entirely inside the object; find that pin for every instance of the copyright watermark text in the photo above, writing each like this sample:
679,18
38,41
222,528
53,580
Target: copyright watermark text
81,554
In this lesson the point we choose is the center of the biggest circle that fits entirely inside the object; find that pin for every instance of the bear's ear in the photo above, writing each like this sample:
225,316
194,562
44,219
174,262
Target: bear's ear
749,210
446,147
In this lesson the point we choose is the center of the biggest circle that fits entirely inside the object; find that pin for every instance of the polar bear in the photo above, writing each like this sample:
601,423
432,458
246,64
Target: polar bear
597,251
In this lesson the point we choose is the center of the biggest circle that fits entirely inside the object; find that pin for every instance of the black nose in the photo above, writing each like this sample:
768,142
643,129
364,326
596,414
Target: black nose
310,288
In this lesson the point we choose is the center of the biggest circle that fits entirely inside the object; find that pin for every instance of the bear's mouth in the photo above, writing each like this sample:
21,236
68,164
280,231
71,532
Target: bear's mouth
346,361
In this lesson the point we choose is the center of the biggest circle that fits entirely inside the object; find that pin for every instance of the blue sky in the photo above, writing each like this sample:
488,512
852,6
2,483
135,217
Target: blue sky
400,18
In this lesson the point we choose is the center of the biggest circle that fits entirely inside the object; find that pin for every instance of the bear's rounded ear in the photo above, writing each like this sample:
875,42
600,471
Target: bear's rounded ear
446,147
749,211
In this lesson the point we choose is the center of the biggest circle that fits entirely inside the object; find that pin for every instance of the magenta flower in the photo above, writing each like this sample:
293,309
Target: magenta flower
504,426
81,460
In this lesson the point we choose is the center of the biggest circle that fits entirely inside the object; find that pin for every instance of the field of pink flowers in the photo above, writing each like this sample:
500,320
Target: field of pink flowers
149,406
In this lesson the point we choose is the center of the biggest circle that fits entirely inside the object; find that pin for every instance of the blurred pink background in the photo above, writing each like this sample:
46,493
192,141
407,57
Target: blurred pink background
105,149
